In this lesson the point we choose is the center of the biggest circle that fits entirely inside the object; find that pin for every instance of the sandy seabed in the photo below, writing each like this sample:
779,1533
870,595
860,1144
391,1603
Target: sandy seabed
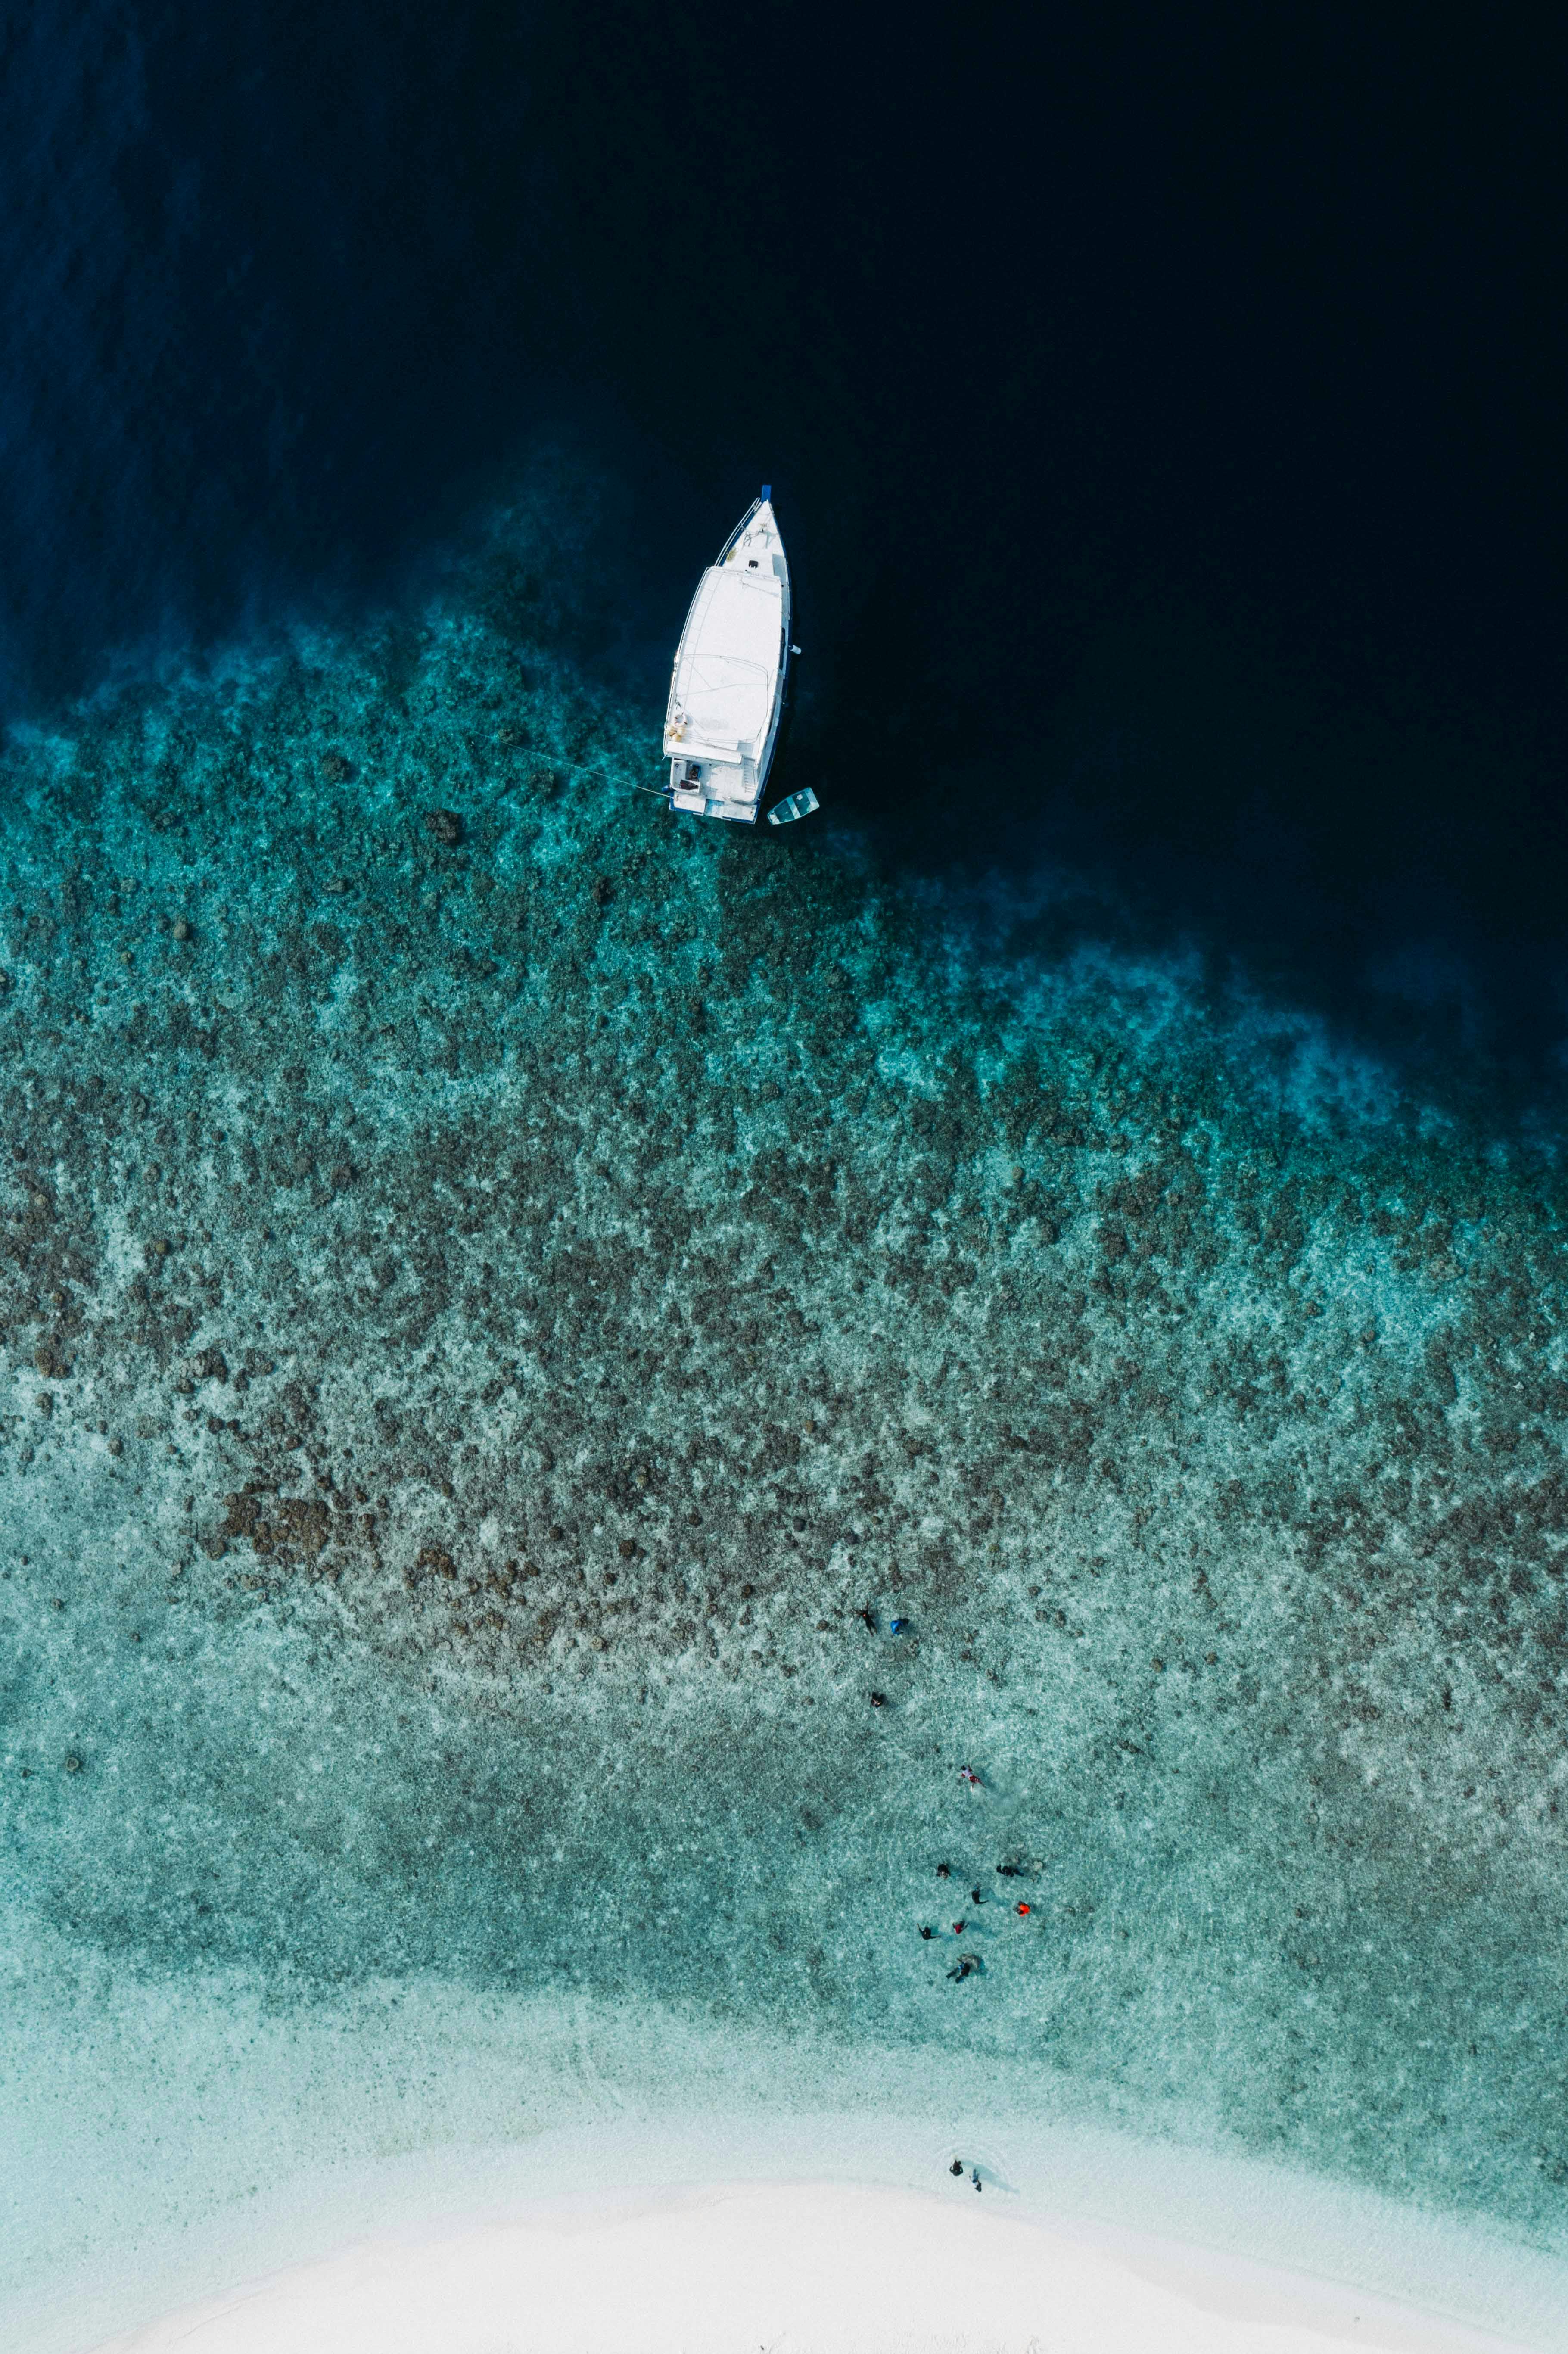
786,2268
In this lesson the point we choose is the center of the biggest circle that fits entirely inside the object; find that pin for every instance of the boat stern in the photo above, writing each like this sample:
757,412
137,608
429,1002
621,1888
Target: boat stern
697,788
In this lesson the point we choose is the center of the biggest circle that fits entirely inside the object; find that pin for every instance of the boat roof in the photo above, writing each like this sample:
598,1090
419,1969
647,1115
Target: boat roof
727,665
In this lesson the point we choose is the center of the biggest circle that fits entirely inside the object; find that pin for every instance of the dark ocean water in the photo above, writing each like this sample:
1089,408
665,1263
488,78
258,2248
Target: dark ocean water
1164,416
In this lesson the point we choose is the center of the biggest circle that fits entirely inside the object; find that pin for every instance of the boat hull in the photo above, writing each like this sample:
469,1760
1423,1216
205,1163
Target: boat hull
729,684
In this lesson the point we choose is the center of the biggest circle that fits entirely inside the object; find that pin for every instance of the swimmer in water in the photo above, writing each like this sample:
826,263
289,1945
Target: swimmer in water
974,2177
967,1774
956,2167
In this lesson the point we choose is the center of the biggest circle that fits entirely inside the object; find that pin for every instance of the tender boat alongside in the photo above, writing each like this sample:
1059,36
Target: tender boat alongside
732,667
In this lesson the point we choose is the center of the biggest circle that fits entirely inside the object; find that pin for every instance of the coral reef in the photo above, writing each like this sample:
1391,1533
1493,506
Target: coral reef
472,1241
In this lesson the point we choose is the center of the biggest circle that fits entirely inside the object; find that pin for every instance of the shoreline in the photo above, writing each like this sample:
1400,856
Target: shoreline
788,2266
1138,2236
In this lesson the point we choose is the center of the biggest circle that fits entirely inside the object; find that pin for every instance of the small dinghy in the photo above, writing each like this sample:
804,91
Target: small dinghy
794,805
732,667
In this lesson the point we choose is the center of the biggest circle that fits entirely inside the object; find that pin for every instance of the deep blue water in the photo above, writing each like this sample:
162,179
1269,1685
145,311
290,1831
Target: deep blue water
1164,414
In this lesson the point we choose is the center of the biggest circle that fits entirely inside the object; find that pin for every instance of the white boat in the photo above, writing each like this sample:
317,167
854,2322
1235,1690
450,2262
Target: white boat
732,667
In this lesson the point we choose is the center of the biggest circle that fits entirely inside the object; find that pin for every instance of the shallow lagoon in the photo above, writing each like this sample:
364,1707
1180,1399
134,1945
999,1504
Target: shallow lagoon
506,1296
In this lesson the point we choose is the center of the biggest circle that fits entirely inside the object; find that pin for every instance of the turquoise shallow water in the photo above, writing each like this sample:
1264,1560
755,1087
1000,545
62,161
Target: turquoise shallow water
505,1298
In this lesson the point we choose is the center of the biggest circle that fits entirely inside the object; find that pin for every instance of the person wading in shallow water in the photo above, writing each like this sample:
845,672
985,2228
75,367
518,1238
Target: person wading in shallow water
956,2167
974,2177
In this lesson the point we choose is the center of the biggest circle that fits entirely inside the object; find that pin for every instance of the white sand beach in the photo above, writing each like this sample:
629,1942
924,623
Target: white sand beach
788,2268
455,2174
